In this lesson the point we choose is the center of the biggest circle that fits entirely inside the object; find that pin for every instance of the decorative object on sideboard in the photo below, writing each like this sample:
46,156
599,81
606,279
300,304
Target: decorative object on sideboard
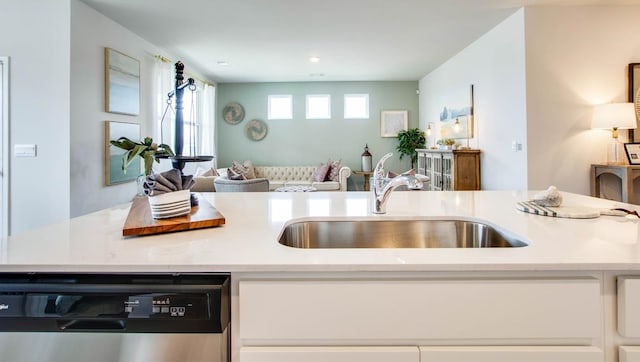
634,97
445,143
256,129
233,113
633,153
393,122
614,116
366,159
409,141
122,83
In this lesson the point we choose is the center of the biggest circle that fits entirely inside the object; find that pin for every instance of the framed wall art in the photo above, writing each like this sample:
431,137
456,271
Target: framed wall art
392,122
113,172
633,153
122,83
457,122
634,96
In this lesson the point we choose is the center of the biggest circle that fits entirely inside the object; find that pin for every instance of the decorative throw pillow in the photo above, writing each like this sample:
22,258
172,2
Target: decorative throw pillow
320,174
334,171
245,169
233,175
201,172
392,174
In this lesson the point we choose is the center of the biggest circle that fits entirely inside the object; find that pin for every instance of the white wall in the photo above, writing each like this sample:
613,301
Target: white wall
35,35
91,32
576,57
494,64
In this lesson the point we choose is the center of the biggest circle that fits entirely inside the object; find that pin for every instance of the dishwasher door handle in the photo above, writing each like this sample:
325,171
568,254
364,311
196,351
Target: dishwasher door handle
91,325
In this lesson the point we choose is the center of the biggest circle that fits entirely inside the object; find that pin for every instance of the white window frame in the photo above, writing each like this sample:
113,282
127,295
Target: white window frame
289,114
318,96
359,116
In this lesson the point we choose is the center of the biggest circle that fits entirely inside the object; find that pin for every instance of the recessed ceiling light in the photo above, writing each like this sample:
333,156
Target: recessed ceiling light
316,75
223,63
314,59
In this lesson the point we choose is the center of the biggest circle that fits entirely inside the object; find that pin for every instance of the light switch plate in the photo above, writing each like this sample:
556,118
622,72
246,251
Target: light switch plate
24,150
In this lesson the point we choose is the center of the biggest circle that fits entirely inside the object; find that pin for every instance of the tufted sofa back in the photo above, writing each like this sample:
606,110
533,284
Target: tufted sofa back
284,173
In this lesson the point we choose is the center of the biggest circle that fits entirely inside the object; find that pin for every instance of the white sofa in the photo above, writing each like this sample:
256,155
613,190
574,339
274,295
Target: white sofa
280,176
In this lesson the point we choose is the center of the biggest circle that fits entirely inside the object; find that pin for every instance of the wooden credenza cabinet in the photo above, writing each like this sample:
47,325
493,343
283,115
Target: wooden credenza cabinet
450,170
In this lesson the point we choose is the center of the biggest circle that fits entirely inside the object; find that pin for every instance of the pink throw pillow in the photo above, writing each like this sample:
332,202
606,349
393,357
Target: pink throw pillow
320,173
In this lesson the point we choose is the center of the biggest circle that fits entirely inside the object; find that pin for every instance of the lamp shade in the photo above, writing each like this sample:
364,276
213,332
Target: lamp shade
614,115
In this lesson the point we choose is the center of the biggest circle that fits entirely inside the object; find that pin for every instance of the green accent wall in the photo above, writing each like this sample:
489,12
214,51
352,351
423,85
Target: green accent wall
303,142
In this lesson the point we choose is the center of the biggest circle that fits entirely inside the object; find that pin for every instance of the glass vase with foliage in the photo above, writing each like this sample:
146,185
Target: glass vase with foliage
409,141
145,149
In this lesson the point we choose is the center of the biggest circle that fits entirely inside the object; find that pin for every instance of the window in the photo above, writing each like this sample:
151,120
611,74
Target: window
318,106
280,107
191,131
356,106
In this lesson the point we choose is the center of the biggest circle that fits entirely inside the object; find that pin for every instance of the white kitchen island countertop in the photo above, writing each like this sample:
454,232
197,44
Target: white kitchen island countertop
248,242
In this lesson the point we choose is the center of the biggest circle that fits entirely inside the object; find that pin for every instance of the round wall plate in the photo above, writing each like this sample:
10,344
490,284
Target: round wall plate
256,129
233,113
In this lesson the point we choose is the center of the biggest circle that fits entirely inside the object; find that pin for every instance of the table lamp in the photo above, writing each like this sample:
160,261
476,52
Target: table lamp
614,116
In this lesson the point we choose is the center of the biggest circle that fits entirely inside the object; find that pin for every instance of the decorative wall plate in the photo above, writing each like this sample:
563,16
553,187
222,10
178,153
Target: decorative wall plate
256,129
233,113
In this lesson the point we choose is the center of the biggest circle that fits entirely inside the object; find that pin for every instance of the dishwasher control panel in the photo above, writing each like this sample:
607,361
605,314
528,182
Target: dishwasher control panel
98,303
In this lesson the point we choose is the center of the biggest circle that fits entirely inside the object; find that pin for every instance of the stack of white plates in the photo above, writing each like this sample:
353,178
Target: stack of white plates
171,204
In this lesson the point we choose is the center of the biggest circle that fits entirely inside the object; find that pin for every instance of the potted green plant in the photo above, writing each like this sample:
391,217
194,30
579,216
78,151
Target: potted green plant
145,149
409,141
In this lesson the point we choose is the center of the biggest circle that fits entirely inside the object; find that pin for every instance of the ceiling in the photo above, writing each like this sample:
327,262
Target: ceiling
355,40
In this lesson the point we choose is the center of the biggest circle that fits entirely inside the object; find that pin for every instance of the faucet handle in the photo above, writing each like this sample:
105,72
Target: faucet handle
379,170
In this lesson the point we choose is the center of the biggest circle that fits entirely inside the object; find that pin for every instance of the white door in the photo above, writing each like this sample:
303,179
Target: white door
4,145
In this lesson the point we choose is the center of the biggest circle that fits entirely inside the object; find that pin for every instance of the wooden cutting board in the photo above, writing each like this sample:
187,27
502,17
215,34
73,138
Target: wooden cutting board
140,222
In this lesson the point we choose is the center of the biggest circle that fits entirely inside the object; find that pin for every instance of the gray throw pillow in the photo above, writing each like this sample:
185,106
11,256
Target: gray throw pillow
334,172
233,175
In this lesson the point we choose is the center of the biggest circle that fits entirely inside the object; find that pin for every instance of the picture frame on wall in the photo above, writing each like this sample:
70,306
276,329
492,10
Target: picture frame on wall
122,83
634,96
392,122
113,172
633,153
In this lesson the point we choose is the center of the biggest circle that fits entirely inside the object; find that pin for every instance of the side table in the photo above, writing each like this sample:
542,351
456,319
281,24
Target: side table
367,175
626,173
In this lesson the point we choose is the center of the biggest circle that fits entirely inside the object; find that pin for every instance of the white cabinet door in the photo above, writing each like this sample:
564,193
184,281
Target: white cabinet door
629,354
308,311
629,306
329,354
511,354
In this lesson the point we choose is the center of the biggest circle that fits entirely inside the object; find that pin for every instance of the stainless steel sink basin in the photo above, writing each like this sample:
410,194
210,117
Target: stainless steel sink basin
449,233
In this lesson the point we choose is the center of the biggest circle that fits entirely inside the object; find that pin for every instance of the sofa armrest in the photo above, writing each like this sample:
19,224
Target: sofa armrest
251,185
343,175
203,184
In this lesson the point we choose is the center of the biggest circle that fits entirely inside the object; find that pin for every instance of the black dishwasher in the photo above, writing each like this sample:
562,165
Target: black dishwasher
114,317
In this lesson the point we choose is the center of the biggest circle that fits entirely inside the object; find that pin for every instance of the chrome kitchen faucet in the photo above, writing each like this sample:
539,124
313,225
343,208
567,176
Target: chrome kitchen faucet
383,186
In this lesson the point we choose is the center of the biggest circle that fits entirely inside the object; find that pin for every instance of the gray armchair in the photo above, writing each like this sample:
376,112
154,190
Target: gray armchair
253,185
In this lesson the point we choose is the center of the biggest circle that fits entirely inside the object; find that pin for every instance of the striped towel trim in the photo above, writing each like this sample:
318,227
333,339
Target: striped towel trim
533,208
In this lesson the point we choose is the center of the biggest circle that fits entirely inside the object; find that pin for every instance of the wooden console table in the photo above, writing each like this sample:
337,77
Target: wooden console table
367,175
626,173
